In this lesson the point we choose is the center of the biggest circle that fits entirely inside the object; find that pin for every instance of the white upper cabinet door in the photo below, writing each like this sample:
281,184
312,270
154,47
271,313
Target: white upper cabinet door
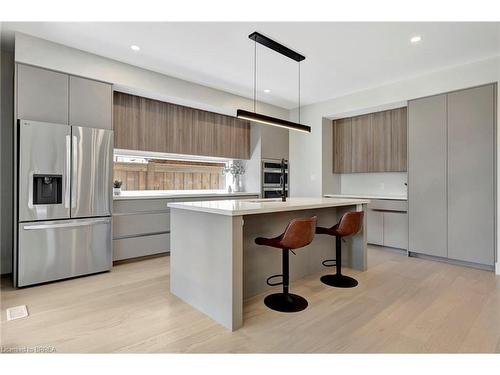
471,175
42,95
90,103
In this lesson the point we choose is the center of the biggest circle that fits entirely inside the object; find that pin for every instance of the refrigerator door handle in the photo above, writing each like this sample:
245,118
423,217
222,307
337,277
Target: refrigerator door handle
67,195
74,171
66,225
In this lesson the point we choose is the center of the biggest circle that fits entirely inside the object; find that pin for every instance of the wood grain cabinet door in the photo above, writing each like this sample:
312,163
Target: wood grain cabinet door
155,127
382,143
362,144
399,131
342,146
129,122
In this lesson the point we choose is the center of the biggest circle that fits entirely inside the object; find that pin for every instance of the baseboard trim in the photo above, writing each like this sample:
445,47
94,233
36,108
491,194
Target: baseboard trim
455,262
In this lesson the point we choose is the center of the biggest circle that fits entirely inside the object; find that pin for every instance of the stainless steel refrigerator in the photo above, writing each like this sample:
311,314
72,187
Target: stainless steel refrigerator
64,202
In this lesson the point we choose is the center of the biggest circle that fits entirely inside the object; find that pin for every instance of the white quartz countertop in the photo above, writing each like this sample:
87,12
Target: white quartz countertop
368,196
158,194
262,206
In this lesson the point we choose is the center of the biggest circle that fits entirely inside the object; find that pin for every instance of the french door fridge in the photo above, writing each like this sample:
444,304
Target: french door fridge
64,201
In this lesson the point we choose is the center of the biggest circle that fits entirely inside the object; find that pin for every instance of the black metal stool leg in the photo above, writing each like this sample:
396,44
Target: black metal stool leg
285,302
338,280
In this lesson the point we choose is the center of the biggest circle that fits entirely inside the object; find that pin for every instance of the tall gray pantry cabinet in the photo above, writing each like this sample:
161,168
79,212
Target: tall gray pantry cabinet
451,175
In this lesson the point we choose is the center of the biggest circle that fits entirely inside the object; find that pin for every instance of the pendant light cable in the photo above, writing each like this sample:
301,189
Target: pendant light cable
254,75
299,91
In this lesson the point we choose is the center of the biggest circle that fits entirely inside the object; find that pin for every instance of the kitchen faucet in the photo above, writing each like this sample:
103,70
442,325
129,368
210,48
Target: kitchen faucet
283,180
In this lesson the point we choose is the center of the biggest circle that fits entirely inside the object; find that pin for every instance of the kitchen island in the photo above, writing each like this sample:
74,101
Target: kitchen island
215,263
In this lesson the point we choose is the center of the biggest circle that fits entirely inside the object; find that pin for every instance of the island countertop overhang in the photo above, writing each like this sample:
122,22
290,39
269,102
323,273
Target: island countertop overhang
260,206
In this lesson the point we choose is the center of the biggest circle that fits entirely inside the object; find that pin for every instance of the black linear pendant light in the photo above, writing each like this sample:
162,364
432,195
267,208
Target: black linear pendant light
263,119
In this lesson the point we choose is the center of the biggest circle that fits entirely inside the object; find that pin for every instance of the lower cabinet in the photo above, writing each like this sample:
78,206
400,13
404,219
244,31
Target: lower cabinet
375,227
387,224
141,227
396,229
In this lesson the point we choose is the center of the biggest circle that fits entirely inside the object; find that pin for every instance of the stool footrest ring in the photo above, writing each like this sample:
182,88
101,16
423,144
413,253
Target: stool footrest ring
268,280
328,262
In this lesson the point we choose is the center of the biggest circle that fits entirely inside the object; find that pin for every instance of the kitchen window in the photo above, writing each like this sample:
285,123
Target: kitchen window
144,173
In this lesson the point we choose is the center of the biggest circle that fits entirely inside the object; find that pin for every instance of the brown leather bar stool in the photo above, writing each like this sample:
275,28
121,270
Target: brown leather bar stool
349,224
298,233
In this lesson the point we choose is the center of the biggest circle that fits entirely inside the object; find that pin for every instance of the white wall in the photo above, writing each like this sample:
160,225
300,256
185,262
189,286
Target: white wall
132,79
6,134
306,151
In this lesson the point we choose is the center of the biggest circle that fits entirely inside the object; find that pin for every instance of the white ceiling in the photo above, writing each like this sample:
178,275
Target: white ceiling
340,57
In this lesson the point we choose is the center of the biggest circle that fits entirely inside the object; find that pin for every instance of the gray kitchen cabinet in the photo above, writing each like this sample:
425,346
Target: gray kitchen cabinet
471,195
274,142
387,223
141,227
427,197
396,229
90,103
42,95
375,227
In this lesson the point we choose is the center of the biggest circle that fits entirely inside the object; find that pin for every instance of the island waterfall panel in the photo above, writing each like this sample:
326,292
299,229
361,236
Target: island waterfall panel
150,125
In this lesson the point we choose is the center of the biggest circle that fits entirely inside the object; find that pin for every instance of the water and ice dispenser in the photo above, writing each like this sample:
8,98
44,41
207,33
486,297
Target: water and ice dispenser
47,189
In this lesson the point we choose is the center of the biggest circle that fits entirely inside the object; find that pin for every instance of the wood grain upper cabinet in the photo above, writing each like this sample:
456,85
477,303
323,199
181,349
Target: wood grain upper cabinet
362,145
42,95
382,142
90,103
399,131
180,130
342,146
204,133
129,122
150,125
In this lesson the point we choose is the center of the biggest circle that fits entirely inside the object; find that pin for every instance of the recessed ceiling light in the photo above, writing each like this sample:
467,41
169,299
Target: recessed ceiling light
133,47
416,39
267,91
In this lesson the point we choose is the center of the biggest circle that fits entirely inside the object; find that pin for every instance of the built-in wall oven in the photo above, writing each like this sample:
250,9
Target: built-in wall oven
271,178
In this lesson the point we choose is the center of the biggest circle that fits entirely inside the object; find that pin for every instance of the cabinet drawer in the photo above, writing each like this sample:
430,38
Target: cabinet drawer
139,205
134,247
389,205
137,224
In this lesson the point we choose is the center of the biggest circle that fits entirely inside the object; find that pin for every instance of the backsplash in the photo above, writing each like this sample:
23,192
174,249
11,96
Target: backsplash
388,183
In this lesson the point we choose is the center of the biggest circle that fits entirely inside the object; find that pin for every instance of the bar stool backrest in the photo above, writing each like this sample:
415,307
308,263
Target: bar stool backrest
299,233
350,223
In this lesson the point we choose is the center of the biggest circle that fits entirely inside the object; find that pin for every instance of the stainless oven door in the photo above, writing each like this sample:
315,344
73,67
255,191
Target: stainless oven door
54,250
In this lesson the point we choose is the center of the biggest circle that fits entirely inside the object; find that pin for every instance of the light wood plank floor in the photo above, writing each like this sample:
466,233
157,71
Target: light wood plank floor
401,305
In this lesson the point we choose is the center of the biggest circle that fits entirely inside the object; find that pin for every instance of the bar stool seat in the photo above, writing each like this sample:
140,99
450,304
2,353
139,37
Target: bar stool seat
298,233
349,224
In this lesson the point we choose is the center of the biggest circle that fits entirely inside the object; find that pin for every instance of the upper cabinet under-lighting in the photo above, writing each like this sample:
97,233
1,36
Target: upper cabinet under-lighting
375,142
